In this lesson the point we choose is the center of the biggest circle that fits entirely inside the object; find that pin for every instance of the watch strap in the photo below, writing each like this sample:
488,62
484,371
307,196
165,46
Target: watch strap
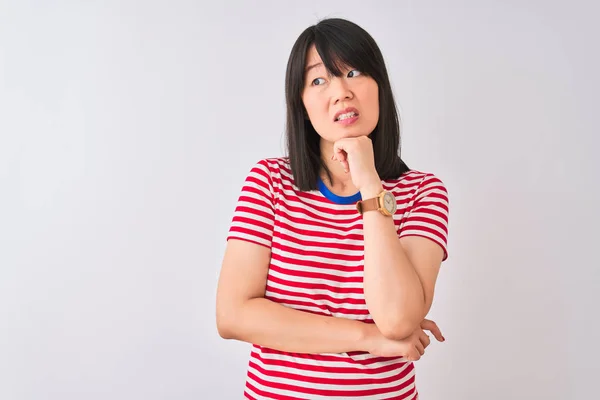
368,205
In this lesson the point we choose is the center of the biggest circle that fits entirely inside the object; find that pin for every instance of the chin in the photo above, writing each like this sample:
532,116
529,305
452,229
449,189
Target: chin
346,133
354,133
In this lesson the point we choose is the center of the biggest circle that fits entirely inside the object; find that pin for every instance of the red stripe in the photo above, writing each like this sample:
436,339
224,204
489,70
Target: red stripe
302,230
315,286
264,394
332,358
330,392
315,296
248,395
256,212
323,245
320,224
326,255
233,236
330,369
330,381
411,226
298,231
327,309
432,212
310,275
248,232
410,395
421,204
419,223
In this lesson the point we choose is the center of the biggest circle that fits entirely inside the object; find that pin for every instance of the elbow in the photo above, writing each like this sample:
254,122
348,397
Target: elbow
398,332
225,325
399,328
224,330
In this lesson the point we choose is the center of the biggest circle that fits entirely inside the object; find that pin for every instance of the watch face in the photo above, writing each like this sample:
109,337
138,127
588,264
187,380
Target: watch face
389,202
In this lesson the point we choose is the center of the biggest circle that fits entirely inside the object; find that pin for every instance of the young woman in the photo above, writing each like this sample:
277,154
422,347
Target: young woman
334,250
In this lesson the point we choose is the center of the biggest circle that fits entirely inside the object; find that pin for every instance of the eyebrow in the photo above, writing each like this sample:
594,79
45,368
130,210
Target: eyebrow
312,66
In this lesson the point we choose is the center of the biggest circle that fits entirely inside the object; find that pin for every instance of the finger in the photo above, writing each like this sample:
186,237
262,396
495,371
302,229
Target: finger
339,155
420,348
424,338
413,355
433,328
343,144
346,166
339,147
342,157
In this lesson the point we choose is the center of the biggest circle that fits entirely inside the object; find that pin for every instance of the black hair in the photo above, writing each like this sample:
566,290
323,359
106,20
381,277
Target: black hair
339,43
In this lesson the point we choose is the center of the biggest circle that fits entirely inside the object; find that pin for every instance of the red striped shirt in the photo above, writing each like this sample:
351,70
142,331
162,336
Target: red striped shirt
317,260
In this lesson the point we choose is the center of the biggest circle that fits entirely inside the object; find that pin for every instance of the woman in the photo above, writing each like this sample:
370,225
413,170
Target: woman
334,251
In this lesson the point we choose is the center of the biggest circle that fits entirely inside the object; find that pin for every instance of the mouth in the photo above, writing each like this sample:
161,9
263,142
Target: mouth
347,114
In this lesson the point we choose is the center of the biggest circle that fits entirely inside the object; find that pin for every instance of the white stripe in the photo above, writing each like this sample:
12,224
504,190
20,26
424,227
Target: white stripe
418,227
323,267
341,359
326,303
250,237
332,294
318,386
259,205
331,251
351,229
253,217
316,281
330,375
255,228
314,234
316,210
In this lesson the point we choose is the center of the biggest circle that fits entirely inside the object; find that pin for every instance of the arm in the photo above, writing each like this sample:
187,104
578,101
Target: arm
244,314
242,311
400,274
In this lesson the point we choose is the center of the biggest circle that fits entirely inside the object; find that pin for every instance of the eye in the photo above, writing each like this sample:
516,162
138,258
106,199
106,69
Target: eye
314,83
354,73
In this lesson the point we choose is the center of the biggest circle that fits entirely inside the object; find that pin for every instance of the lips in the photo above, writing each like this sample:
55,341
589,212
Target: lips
345,111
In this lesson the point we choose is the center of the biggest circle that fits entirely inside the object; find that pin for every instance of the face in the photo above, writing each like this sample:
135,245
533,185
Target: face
353,95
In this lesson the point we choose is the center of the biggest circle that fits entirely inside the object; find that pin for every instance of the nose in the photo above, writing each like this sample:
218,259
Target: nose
340,90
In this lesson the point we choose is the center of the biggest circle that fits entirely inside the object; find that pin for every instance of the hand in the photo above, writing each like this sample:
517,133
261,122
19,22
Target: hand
411,348
432,327
357,158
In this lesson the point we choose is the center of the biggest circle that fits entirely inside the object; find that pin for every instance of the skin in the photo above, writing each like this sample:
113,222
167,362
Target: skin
244,314
400,274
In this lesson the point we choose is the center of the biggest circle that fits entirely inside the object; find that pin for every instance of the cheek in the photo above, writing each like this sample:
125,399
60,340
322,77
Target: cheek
374,101
308,103
370,103
315,107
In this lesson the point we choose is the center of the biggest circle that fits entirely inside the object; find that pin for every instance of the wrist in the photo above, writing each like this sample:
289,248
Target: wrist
371,189
369,334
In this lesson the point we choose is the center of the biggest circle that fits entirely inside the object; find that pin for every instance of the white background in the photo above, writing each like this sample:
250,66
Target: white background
127,128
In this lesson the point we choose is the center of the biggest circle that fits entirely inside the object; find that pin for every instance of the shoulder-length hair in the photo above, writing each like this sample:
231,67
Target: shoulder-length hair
339,43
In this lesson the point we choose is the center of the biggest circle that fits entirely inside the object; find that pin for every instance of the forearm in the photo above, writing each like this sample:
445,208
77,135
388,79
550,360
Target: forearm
393,291
265,323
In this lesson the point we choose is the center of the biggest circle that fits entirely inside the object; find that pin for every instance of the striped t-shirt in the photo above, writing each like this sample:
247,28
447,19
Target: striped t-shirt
317,261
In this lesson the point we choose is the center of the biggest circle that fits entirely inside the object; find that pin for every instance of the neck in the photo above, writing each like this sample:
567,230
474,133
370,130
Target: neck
341,181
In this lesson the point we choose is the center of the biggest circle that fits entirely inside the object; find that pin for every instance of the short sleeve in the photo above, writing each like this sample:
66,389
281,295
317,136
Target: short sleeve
428,215
254,214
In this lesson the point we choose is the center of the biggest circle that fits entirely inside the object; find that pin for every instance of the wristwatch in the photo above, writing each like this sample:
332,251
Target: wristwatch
385,203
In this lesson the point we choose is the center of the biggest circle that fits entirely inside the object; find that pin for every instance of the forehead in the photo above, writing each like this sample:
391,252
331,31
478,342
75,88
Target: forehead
313,59
315,64
312,55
